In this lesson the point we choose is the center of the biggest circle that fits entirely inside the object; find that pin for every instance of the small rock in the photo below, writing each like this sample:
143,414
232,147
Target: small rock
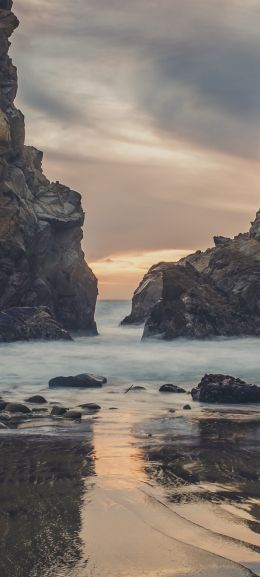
187,408
37,399
172,410
3,405
35,410
83,381
58,411
113,408
17,408
168,388
90,407
4,417
74,415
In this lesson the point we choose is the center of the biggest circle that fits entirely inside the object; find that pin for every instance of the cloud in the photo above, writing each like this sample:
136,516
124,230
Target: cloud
151,109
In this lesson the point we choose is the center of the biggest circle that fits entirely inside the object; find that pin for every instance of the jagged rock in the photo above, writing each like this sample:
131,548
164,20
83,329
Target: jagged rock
221,297
190,307
146,295
225,389
168,388
27,323
84,381
17,408
37,399
41,260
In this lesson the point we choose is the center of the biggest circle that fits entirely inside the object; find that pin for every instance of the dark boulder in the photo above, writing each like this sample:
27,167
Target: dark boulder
3,405
37,399
17,408
225,389
29,323
187,408
93,407
73,415
84,381
168,388
58,411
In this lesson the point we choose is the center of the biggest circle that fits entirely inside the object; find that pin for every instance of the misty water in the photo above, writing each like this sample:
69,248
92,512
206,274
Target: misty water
140,488
119,354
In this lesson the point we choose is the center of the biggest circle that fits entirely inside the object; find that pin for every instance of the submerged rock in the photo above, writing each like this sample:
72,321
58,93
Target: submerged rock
168,388
37,399
17,408
27,323
84,381
187,408
225,389
41,259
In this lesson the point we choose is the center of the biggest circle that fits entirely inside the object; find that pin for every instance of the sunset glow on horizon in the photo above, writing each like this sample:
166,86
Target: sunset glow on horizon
144,108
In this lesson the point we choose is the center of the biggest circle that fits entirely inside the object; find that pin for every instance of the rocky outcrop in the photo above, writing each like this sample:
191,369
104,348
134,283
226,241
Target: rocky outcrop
41,260
225,389
147,294
83,381
211,293
30,323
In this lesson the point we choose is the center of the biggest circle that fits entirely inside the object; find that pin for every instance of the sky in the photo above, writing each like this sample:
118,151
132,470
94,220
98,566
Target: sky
150,109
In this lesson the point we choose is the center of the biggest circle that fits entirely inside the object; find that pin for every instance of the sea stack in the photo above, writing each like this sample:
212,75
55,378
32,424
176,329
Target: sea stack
206,294
41,260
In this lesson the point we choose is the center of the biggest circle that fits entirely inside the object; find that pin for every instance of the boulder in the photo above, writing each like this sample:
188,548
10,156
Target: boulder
36,399
73,415
58,411
30,323
187,408
17,408
83,381
168,388
92,407
215,388
3,405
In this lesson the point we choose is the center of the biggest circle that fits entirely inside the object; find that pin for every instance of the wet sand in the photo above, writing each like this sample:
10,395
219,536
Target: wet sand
128,495
133,490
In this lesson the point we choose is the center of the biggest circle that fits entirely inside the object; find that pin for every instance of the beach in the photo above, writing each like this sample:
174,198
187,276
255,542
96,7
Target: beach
142,487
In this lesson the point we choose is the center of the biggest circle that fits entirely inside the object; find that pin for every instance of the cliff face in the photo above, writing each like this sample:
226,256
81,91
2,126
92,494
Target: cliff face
211,293
41,260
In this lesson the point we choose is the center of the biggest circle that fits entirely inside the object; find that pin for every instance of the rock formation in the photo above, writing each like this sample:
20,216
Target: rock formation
225,389
206,294
41,260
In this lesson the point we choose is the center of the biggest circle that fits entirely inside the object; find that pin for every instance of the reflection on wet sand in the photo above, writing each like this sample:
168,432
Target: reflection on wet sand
41,493
208,465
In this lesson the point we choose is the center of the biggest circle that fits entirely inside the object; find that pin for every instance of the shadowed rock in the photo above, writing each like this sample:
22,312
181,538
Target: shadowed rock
225,389
168,388
26,323
218,296
37,399
41,259
84,381
17,408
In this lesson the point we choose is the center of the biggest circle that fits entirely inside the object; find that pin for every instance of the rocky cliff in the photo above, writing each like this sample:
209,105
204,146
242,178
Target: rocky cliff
41,260
211,293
